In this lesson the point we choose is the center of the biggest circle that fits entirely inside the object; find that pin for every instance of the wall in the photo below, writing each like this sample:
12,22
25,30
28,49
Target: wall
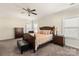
11,16
56,20
7,25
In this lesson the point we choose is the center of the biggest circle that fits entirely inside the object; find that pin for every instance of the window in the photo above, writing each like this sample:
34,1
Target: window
71,31
31,26
71,27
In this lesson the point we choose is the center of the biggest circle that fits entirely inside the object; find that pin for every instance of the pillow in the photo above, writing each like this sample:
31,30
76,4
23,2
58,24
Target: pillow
46,32
49,32
40,32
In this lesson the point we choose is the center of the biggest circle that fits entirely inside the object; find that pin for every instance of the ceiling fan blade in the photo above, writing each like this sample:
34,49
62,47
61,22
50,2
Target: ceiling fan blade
33,10
34,13
24,9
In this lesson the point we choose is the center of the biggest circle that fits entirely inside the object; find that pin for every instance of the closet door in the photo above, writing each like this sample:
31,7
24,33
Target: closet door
71,31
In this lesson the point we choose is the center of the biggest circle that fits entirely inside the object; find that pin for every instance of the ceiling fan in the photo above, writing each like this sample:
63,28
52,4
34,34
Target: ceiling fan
29,11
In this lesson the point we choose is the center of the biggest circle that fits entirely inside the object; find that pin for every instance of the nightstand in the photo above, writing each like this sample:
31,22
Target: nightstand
59,40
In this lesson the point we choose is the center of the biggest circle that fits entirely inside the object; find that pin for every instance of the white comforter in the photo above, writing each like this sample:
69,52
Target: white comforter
42,38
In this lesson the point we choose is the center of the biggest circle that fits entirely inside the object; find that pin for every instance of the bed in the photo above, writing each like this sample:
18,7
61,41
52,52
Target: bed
43,36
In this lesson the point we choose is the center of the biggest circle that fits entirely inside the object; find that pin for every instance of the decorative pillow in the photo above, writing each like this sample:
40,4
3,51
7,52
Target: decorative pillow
45,32
40,32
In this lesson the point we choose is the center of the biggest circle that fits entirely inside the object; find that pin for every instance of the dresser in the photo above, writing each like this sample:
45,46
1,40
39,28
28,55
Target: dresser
18,32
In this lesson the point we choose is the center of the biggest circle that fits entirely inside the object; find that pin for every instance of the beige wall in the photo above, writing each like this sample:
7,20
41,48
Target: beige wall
7,24
56,19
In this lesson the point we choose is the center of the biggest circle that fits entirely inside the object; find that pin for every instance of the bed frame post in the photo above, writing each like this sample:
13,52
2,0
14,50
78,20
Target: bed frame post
34,43
54,31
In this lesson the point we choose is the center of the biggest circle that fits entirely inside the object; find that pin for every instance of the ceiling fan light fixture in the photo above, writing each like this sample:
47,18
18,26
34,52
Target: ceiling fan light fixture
29,11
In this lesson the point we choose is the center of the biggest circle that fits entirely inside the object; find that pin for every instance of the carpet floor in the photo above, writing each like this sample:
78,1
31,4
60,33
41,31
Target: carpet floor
9,48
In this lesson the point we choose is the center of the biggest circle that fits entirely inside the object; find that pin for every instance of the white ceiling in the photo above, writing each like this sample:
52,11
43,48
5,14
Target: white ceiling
42,9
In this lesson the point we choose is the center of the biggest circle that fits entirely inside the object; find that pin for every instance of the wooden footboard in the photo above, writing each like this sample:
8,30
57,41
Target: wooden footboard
30,39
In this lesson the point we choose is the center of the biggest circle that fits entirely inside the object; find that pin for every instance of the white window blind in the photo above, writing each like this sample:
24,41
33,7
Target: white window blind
71,27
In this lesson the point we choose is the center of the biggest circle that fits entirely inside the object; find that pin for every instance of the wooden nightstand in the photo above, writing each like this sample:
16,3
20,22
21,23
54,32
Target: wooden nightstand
59,40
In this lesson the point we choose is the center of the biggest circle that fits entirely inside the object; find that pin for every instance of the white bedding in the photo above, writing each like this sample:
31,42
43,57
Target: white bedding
41,39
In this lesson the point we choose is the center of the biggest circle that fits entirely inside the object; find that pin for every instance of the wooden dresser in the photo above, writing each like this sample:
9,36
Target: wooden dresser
59,40
18,32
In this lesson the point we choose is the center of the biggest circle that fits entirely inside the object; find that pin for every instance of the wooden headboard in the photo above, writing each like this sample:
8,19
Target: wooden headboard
48,28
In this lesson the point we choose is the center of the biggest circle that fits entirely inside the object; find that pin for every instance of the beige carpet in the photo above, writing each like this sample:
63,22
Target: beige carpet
9,48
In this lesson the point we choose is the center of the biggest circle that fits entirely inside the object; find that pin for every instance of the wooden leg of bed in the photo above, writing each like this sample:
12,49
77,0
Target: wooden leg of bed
34,50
